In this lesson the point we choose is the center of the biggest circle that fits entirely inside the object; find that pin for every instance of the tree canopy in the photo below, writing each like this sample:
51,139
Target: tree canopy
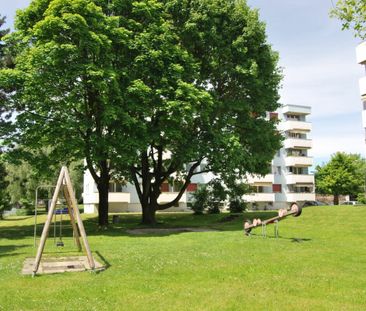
344,174
149,90
352,14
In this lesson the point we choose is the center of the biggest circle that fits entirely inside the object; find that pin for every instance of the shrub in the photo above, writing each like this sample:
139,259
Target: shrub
200,200
214,207
361,198
237,206
24,212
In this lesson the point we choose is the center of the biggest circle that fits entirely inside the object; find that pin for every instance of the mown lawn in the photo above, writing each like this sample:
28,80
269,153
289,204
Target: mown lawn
317,263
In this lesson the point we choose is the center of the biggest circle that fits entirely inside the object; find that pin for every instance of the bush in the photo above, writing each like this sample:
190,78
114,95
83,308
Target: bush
361,198
237,206
200,200
24,212
214,208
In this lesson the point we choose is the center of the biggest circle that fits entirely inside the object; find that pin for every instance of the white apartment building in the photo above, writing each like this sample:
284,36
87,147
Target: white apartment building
361,59
288,182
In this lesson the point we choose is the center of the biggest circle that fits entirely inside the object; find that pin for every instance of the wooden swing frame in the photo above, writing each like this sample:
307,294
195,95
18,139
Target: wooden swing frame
64,184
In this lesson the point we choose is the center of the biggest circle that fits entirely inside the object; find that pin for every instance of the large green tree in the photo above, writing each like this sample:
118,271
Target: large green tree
149,90
69,78
214,119
344,174
352,14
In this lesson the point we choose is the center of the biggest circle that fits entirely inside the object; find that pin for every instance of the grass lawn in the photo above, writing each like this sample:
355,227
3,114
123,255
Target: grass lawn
317,263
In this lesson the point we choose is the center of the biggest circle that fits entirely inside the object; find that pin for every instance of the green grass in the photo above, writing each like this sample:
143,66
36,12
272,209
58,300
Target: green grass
318,263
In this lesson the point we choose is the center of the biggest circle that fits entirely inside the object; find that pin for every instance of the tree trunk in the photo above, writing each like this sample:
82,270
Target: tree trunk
103,188
148,215
336,199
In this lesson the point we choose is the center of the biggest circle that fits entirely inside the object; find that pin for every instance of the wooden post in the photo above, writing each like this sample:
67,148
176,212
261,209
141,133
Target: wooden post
72,217
78,218
48,221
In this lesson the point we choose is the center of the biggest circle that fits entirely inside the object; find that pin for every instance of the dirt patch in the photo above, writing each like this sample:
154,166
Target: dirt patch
166,230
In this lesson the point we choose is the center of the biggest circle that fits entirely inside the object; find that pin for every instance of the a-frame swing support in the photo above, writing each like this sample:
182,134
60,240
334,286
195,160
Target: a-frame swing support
64,185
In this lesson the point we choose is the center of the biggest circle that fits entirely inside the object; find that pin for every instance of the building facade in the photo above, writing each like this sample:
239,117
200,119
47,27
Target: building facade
361,59
289,180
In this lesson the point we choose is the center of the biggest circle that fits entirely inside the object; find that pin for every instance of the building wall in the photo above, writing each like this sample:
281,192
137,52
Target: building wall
361,59
288,181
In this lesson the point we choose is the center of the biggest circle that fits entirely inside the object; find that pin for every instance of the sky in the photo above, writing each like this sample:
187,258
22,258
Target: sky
319,66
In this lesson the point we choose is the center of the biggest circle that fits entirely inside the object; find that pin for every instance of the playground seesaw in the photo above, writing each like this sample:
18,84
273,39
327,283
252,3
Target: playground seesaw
295,210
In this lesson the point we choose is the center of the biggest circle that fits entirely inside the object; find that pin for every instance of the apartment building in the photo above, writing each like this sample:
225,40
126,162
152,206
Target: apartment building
289,180
361,59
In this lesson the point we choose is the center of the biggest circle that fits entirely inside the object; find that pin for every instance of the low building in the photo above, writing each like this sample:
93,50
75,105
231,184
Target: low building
289,180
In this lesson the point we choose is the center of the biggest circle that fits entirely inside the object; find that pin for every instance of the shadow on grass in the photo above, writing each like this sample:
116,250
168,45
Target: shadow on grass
218,222
7,250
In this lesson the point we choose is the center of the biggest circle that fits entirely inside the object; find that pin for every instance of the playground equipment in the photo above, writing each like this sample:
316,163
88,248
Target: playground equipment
295,210
62,264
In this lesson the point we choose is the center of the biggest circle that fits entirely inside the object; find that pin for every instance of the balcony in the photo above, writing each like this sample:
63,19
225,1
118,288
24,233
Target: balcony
267,179
298,161
299,179
113,197
260,197
170,196
295,109
294,143
364,118
296,197
361,53
362,83
290,125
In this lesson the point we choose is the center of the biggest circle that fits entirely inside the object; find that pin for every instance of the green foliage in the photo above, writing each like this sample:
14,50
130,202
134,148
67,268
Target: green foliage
4,196
343,174
237,206
361,198
122,84
23,179
352,14
200,200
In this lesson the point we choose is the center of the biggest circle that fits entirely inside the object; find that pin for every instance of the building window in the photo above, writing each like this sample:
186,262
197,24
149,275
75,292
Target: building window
116,187
277,188
192,188
279,170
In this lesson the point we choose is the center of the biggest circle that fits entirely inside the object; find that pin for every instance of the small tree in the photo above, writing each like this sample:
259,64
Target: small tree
352,14
344,174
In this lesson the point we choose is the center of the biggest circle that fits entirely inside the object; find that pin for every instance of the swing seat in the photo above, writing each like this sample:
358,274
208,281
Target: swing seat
60,243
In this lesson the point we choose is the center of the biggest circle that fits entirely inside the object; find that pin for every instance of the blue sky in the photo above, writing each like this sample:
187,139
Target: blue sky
319,65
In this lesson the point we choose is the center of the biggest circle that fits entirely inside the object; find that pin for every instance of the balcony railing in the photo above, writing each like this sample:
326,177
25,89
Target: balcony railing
291,125
299,179
362,83
361,53
296,109
260,197
113,197
267,179
295,197
292,160
298,143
